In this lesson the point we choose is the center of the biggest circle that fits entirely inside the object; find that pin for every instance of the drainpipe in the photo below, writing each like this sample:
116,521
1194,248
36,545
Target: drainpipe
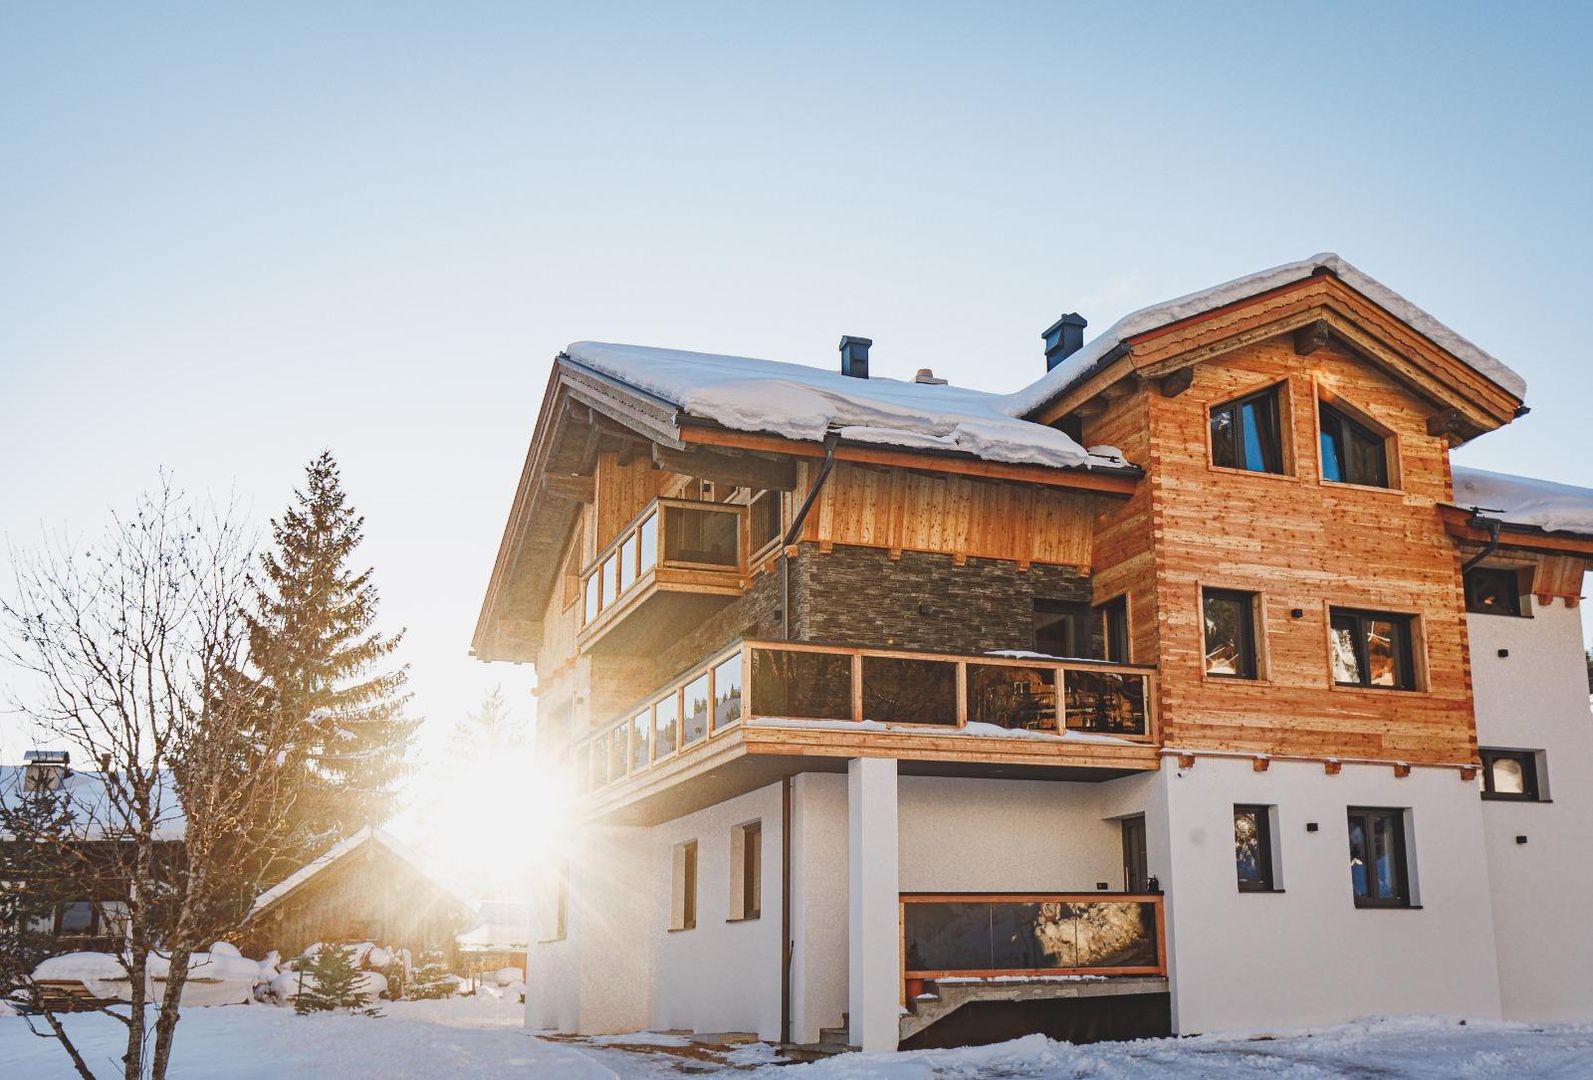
796,528
1492,525
786,944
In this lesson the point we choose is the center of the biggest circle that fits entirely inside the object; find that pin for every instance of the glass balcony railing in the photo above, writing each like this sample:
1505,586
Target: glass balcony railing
972,695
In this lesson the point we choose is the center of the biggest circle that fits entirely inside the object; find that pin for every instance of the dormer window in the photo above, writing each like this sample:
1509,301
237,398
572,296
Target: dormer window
1246,433
1352,453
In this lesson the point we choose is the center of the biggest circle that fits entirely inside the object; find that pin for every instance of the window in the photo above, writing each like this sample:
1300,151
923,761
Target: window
75,918
1230,619
683,890
1372,649
764,520
1351,452
1377,858
1113,618
1509,774
746,871
1062,628
1245,434
1252,848
1493,591
554,904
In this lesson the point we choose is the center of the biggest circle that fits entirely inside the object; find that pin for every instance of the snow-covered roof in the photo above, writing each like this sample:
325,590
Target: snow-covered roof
94,815
505,924
808,403
1521,500
347,846
1054,382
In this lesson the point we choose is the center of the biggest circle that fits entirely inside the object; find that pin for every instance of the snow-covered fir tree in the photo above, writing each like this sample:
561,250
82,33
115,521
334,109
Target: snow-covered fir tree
430,978
333,983
313,641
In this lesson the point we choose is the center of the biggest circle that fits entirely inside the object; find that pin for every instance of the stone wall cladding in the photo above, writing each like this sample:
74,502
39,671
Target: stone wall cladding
860,596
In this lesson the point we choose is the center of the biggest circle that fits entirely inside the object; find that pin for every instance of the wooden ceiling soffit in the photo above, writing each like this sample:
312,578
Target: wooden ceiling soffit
737,468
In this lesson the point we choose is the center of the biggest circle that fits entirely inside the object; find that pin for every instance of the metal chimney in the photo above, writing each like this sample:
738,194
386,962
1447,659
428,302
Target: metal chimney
1063,338
854,356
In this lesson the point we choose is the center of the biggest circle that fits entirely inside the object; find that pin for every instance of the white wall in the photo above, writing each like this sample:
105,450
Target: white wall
1536,699
721,975
1308,955
818,904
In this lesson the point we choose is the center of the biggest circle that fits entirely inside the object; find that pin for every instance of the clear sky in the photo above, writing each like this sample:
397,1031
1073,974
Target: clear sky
232,235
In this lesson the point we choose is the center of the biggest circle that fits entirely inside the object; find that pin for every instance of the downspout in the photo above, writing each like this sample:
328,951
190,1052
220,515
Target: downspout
1479,522
796,529
786,944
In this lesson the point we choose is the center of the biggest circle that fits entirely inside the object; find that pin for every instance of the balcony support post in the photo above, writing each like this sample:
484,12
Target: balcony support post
873,911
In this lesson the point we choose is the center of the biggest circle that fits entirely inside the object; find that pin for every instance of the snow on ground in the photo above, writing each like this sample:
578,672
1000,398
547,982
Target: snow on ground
483,1037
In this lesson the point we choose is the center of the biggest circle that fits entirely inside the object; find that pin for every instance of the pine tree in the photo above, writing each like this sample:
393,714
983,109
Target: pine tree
490,730
430,978
318,657
332,982
35,825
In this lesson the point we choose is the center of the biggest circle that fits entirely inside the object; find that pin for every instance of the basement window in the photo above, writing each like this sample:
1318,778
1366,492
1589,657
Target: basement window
746,871
1509,775
1373,649
1246,434
683,886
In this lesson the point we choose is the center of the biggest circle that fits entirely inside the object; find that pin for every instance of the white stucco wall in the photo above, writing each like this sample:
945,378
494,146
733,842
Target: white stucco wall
1308,955
1536,699
721,975
818,904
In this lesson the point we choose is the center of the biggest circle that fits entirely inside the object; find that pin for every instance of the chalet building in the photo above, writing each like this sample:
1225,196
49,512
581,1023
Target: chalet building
1194,666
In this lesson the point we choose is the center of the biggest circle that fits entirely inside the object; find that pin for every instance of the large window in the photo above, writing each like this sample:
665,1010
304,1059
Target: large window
1245,434
1378,872
1493,591
1509,774
1373,649
1252,848
1062,628
1230,623
1351,452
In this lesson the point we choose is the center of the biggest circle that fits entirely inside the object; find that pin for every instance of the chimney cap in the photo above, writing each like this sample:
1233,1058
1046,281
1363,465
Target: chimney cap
850,340
47,757
1072,318
1063,338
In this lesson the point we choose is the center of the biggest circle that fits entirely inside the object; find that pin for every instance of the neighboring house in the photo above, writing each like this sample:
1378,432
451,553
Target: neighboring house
895,708
367,887
82,894
501,938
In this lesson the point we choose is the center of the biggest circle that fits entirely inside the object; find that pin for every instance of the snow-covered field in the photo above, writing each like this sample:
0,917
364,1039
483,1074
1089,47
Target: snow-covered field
483,1038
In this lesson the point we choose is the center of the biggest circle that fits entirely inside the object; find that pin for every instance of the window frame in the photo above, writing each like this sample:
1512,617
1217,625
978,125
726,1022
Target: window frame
1348,422
746,871
1530,774
1278,392
683,886
1116,633
1250,605
1078,614
93,929
1267,880
1403,897
1410,656
1518,595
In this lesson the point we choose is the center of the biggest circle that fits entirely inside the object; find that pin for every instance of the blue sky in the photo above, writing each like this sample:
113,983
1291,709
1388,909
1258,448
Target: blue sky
232,236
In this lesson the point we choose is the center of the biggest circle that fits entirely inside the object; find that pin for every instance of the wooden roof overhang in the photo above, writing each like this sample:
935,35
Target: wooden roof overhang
585,411
1314,310
1458,523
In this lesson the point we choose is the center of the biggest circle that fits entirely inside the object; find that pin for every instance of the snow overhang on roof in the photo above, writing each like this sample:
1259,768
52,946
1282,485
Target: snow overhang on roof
804,403
1101,350
1525,502
94,815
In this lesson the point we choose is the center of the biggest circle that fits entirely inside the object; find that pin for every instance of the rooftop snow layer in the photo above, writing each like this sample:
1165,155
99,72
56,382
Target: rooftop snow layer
1521,500
1058,379
800,402
93,813
337,851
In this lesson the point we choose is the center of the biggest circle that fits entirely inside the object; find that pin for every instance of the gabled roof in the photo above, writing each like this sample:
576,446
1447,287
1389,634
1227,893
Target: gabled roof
339,851
1097,352
505,924
805,403
94,817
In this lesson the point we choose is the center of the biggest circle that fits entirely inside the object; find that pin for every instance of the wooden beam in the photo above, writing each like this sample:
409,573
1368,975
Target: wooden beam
1179,381
1311,337
580,488
737,470
1457,524
1455,424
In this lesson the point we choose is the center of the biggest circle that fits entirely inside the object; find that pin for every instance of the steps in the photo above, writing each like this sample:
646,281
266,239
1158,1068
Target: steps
832,1041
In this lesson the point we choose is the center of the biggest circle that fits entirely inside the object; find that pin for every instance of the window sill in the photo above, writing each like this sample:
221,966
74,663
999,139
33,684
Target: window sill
1234,680
1388,907
1325,482
550,940
680,929
1261,892
1491,797
1356,688
1230,470
1504,614
744,918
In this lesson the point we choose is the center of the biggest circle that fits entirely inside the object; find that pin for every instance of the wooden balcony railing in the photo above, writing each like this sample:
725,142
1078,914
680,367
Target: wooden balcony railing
689,542
917,691
983,935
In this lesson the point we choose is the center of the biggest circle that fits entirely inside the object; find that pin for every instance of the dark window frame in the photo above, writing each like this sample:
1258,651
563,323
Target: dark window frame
1116,645
1337,427
1266,879
1078,615
1530,780
1401,855
752,870
1405,653
1248,659
1512,579
1271,444
93,929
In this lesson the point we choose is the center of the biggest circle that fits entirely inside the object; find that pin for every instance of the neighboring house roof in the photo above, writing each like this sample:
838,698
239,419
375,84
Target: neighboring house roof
95,816
1082,363
505,925
1521,500
331,857
807,403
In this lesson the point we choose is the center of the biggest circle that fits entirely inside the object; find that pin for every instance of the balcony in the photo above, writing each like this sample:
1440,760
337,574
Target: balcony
939,713
677,561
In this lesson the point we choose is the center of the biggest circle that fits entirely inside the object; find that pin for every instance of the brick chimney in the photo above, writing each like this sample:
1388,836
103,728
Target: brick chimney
1063,338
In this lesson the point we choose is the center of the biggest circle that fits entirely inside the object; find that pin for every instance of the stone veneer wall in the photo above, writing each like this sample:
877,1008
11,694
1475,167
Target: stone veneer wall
860,596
